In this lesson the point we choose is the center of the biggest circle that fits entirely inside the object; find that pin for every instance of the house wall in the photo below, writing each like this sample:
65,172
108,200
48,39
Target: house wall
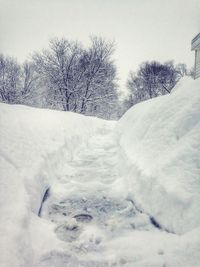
197,63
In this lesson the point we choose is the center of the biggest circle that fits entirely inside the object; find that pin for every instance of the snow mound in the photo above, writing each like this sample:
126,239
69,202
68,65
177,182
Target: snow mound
160,156
34,143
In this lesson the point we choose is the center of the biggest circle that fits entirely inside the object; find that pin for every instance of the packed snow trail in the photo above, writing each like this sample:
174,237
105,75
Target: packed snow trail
89,213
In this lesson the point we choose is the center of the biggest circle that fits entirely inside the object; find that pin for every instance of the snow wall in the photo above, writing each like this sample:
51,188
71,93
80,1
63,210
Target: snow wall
34,145
160,156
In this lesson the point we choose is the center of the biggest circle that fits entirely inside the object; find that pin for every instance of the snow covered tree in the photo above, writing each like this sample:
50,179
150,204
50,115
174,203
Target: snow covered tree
17,83
98,91
77,79
58,67
29,78
151,80
29,92
182,70
9,79
65,76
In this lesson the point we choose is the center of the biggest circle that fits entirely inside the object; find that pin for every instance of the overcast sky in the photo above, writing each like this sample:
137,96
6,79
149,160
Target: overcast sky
142,29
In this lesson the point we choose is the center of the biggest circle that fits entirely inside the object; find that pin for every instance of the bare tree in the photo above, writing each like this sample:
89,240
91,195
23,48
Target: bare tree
58,67
191,72
65,76
182,70
29,77
9,79
80,79
151,80
99,75
29,85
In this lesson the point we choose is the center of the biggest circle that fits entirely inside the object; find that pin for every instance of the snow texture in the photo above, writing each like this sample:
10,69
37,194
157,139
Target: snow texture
34,143
77,191
160,144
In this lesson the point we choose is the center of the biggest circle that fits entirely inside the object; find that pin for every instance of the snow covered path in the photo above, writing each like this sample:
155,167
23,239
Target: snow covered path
95,175
98,224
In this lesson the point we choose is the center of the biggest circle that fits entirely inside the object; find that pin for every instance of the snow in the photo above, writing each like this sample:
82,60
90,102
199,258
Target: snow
160,146
34,143
121,195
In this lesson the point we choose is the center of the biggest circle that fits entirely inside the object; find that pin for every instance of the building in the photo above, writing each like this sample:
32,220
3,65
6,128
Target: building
196,48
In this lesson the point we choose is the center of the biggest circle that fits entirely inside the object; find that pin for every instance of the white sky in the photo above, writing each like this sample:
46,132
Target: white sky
142,29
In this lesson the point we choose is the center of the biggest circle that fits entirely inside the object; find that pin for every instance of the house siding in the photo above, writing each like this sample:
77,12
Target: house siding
197,64
195,42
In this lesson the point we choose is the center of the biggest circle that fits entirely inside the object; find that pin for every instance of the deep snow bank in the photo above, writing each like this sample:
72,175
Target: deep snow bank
34,143
160,145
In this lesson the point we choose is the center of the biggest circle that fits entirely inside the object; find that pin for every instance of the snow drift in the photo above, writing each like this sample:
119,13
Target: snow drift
34,143
158,144
160,151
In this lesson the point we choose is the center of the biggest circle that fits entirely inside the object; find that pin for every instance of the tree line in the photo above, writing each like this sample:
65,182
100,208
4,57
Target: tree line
69,77
65,76
154,79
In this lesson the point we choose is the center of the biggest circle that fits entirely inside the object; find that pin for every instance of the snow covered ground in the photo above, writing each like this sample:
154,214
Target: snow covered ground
34,144
78,191
160,139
